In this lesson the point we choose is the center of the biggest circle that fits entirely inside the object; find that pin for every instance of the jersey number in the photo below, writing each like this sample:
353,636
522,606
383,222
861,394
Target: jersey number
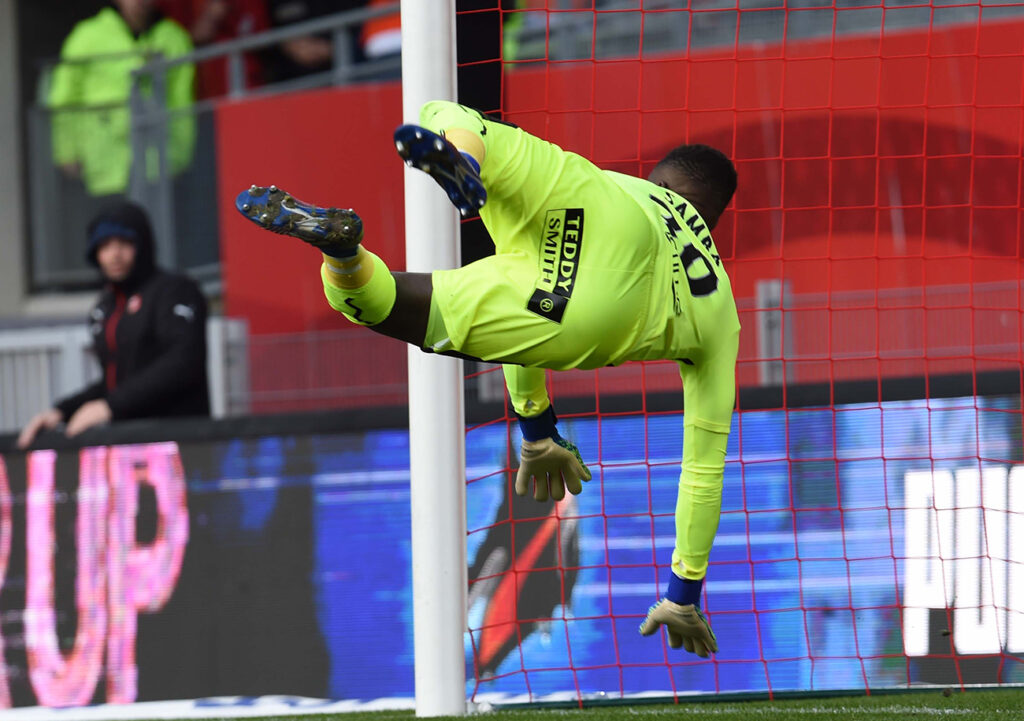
705,285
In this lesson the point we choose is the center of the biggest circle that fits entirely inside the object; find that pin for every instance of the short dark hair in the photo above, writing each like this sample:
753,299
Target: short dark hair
709,167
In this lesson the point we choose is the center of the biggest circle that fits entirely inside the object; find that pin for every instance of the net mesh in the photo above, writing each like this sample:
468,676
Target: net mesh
873,515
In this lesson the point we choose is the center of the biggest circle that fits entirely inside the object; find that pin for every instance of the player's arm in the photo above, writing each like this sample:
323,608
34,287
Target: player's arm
709,390
549,461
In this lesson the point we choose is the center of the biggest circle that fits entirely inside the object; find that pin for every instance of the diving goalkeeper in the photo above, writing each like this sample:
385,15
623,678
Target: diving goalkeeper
592,268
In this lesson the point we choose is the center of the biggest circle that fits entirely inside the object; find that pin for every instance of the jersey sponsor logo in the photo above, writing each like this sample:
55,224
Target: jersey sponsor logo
547,305
560,247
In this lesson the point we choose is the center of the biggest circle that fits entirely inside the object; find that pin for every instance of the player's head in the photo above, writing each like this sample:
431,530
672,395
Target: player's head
702,175
121,243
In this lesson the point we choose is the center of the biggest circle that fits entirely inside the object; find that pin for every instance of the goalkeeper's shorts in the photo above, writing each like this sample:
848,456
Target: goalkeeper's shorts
574,279
493,310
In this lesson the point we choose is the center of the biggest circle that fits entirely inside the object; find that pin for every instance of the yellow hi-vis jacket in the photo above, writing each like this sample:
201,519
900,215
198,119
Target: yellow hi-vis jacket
91,122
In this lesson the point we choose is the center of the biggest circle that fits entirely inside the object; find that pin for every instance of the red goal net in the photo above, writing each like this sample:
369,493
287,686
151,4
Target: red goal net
872,532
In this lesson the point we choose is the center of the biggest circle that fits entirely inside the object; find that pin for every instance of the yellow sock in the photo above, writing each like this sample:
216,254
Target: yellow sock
467,142
361,287
351,272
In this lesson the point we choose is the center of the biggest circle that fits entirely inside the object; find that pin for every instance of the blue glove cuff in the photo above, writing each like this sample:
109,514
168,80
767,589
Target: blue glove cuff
539,427
684,591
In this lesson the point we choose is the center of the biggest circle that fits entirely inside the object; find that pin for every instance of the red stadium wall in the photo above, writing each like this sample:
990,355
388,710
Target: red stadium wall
866,164
331,147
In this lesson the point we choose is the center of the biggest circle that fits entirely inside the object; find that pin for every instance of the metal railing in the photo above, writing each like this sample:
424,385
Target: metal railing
342,72
619,28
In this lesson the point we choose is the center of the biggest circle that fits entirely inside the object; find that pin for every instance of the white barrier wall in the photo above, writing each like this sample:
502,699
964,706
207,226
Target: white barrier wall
40,365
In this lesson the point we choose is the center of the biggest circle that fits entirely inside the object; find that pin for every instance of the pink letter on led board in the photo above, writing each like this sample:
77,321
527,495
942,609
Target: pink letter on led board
60,680
141,577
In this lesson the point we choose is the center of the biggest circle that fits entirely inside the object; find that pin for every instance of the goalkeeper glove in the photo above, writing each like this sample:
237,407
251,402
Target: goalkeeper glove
549,460
680,613
686,626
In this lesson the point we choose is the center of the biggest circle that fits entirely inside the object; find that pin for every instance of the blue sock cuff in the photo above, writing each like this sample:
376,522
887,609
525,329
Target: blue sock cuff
471,160
539,427
684,591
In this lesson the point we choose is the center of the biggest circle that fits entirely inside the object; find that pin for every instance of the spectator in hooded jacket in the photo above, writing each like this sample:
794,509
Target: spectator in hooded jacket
149,334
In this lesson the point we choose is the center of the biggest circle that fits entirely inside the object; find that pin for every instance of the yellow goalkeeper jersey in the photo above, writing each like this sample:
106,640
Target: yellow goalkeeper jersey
591,268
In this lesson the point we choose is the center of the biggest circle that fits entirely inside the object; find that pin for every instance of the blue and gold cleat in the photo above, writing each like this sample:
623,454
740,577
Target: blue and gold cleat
427,151
334,231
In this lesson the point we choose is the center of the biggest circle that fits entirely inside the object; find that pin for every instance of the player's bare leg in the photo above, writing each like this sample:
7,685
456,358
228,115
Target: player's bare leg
408,318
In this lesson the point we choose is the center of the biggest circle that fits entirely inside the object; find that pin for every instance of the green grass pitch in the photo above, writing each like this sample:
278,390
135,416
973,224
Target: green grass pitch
969,705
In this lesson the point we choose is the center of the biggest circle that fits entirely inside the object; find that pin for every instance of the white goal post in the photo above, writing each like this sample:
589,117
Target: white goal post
436,410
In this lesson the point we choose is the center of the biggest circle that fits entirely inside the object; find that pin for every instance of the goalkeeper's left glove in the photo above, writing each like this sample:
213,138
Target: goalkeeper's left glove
680,613
686,626
548,459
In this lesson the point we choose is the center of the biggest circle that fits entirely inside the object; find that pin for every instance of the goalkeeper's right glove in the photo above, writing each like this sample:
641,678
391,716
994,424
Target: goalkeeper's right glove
548,459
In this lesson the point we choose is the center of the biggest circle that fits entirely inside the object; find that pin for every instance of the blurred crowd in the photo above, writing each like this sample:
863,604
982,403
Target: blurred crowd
211,21
89,89
88,93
